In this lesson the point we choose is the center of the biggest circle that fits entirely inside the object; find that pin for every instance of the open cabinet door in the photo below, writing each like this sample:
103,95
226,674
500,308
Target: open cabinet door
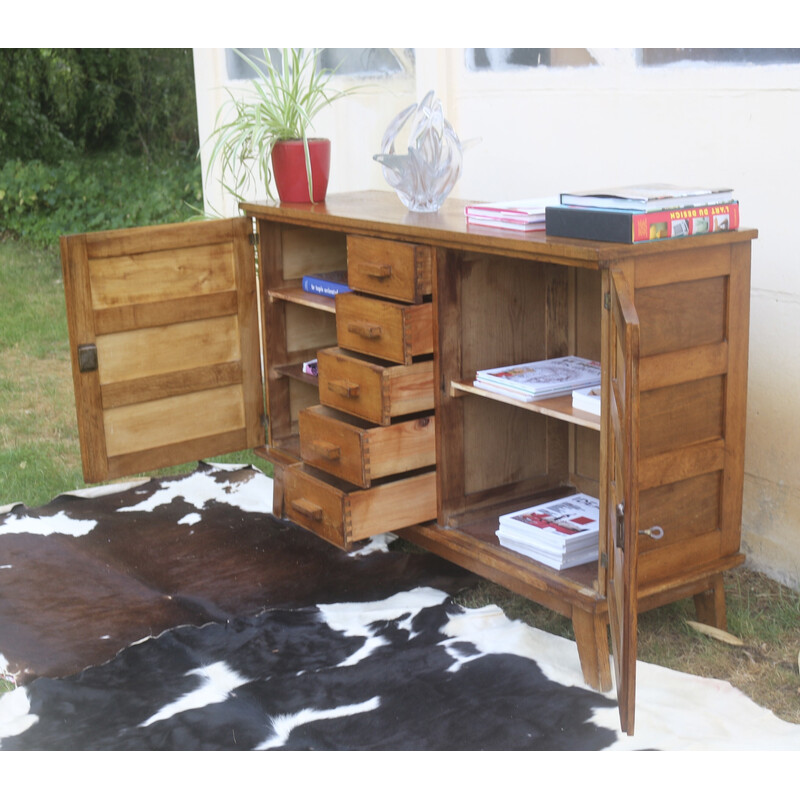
622,507
164,339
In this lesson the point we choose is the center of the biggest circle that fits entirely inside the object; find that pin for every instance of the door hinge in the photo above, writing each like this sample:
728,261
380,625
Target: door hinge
253,239
87,358
604,560
607,301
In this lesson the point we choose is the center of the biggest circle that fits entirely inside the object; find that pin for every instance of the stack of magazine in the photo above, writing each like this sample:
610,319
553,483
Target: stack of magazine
537,380
587,399
561,533
519,215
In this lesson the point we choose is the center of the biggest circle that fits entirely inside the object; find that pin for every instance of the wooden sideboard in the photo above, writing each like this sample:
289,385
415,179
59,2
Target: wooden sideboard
169,329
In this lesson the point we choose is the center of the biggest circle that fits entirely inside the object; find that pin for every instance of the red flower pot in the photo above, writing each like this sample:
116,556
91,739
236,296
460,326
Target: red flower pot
289,169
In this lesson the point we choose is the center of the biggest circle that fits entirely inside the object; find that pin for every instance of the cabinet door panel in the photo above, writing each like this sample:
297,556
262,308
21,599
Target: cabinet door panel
622,492
163,326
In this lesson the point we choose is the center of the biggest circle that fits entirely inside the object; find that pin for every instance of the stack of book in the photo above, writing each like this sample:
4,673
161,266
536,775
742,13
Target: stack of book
538,380
518,215
633,214
561,534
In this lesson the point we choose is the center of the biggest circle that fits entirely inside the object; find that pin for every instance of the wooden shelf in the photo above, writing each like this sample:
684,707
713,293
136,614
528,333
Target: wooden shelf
302,298
558,407
295,371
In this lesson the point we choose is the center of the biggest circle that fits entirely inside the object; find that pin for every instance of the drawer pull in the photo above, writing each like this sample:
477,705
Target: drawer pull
307,509
327,450
344,388
377,271
366,330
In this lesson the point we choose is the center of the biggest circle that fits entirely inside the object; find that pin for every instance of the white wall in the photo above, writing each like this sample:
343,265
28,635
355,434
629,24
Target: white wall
548,130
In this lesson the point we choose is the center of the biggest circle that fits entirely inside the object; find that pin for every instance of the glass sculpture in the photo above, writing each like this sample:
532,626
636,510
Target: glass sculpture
426,174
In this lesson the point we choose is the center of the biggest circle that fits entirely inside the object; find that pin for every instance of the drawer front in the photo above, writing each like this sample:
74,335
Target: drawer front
359,452
385,268
382,329
373,390
343,515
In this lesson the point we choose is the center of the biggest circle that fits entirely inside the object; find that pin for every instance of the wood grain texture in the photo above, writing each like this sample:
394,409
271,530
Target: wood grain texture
172,312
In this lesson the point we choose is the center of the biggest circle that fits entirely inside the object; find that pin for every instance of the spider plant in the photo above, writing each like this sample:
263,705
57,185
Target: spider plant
280,104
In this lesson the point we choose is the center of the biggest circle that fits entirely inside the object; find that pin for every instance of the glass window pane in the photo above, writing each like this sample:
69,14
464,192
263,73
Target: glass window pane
504,58
374,61
655,56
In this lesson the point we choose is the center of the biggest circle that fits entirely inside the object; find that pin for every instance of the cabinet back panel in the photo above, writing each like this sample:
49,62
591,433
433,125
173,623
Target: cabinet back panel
301,395
305,250
506,445
308,330
161,275
681,315
680,415
588,313
586,461
503,313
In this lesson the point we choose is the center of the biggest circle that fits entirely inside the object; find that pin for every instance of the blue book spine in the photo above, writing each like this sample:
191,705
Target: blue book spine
328,284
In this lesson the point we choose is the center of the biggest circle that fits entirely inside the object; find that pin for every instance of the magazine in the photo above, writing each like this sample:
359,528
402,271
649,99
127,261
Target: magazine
548,378
564,524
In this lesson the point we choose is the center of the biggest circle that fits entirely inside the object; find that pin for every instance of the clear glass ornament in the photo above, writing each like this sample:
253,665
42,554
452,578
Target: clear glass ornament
427,173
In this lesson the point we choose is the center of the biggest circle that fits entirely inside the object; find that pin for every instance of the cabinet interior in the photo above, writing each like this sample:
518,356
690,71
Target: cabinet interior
501,455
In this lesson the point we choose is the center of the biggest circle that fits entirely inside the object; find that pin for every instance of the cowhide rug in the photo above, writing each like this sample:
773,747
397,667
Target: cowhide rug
179,614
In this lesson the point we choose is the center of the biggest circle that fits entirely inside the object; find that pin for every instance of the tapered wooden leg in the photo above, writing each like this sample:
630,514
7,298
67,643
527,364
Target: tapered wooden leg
591,636
710,605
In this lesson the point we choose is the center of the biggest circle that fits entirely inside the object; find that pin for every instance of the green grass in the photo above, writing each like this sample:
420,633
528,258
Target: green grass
39,449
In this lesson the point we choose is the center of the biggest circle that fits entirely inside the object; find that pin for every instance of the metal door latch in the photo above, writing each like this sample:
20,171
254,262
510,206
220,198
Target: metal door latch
87,357
620,526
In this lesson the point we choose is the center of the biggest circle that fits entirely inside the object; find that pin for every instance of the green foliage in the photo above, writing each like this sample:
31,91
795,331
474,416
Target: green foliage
40,201
93,139
58,101
281,104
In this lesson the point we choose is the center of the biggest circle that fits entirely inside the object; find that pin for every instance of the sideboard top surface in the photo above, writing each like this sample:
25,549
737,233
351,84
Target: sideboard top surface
380,213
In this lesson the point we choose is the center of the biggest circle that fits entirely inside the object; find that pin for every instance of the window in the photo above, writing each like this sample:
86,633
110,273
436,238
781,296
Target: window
655,56
371,61
506,58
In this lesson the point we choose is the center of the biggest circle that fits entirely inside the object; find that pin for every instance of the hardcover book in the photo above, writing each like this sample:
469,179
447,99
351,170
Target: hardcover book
652,197
326,283
541,379
626,227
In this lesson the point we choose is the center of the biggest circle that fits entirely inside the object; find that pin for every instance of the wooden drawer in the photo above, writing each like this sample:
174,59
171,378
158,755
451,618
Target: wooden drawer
360,452
392,331
396,270
343,514
372,389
